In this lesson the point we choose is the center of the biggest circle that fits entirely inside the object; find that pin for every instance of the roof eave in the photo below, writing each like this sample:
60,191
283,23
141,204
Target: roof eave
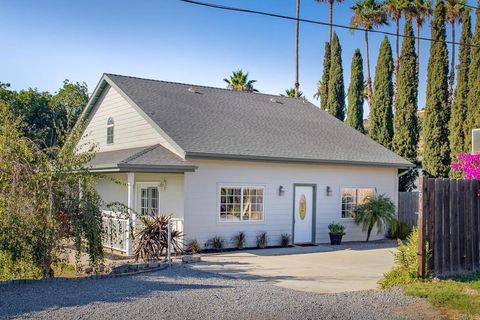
202,155
142,168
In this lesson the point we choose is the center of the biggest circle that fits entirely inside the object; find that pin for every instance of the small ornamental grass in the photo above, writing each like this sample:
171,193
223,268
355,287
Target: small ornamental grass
152,239
193,247
262,240
216,243
239,240
285,240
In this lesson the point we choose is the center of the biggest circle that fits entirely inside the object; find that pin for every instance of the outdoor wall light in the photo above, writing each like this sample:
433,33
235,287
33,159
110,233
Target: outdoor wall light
281,191
329,191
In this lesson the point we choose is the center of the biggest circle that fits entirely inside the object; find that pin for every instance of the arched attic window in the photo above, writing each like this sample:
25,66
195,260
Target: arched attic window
110,124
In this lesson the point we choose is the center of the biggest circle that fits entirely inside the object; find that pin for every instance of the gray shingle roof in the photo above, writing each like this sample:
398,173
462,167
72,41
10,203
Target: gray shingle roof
215,122
153,158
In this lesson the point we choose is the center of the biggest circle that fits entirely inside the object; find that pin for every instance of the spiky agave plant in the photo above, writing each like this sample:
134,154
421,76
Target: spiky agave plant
152,239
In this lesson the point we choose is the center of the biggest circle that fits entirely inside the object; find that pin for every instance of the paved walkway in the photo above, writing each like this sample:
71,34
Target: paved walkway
321,269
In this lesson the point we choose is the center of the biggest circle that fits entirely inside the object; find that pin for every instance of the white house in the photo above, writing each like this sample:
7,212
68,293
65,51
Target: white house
223,161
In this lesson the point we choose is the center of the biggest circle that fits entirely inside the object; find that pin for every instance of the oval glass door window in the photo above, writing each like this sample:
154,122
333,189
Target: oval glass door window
302,207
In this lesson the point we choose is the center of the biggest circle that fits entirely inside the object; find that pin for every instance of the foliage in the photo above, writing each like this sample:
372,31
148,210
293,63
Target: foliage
378,211
404,272
239,81
19,268
473,102
458,118
323,84
217,243
262,240
285,240
381,114
193,247
436,150
46,197
336,229
458,295
453,15
290,92
468,164
398,230
152,239
368,14
355,93
405,140
239,240
336,88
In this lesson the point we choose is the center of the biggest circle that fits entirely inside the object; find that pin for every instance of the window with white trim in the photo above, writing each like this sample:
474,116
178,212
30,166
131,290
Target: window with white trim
149,199
354,197
110,125
241,203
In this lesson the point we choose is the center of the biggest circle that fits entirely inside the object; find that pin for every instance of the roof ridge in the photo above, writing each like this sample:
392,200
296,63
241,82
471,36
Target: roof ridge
207,87
140,153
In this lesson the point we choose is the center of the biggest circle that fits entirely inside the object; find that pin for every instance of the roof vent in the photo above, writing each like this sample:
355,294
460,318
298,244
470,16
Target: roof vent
274,100
192,90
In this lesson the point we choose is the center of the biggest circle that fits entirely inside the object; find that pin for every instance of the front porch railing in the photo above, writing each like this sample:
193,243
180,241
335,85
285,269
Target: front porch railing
116,231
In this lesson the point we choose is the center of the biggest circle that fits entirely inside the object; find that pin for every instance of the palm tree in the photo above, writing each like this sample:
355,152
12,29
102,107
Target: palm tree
330,14
379,211
291,93
368,14
297,33
420,11
453,14
239,81
396,9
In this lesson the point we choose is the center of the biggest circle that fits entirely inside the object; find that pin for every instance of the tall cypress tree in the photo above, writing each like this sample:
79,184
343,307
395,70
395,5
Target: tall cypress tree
323,84
355,93
406,135
381,114
459,107
336,88
436,151
473,100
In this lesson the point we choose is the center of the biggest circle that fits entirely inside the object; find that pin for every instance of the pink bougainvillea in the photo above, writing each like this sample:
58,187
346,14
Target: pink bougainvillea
468,163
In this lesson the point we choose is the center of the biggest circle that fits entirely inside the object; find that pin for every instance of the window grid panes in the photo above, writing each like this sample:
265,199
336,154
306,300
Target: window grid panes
241,203
149,201
110,125
354,197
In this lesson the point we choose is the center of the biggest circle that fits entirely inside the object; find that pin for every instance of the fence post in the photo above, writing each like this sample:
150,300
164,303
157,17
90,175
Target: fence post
422,228
169,240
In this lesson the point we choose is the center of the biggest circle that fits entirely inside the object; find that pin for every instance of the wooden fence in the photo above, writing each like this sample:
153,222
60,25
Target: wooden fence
408,208
449,214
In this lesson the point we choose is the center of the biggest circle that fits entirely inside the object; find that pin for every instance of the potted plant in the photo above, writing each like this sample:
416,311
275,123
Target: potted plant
337,231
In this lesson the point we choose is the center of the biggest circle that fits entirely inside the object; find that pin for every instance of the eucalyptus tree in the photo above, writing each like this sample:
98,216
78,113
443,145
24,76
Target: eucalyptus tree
453,14
239,81
368,15
330,14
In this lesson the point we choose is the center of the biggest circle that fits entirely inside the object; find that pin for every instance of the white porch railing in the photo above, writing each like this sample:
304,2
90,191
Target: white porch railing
116,231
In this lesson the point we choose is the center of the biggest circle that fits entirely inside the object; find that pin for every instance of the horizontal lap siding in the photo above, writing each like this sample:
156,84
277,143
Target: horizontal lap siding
131,130
201,196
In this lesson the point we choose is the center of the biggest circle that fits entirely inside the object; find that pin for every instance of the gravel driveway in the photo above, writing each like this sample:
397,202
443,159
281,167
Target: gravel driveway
185,293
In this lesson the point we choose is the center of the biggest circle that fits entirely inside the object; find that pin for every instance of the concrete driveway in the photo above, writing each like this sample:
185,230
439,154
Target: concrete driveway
321,269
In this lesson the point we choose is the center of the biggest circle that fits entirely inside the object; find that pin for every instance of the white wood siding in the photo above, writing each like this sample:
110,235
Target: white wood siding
114,188
131,130
201,197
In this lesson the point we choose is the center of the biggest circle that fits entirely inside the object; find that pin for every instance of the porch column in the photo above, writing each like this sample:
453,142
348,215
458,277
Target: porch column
131,205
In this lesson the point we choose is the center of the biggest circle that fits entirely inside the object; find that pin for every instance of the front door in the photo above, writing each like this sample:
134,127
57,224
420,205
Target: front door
304,210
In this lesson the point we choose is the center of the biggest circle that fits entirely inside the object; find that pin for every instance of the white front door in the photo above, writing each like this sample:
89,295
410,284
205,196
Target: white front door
304,208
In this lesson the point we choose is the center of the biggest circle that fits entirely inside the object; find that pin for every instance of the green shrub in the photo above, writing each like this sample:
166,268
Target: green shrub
193,247
239,240
262,240
217,243
379,211
285,240
406,263
398,230
20,268
336,229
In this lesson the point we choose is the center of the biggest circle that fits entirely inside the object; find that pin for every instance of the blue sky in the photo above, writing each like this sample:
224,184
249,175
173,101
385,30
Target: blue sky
45,42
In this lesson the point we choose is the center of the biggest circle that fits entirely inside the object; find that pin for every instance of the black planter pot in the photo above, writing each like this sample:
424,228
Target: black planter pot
335,239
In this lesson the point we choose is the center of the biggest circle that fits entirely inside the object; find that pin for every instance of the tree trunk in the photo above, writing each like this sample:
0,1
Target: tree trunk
369,81
397,60
451,80
331,19
368,232
297,84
